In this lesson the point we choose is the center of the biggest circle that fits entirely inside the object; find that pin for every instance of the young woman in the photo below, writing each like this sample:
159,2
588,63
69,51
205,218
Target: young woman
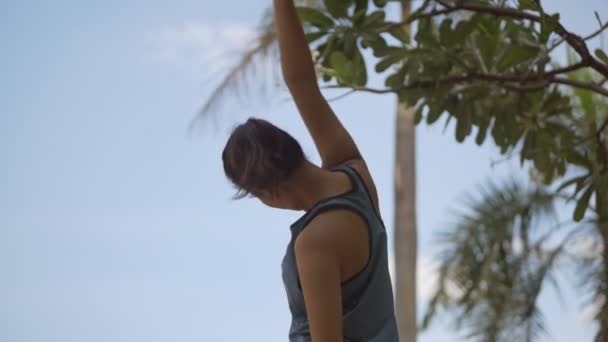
335,268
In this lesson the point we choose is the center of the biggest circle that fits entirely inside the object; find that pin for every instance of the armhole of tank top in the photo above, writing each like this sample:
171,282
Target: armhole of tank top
311,213
366,190
353,208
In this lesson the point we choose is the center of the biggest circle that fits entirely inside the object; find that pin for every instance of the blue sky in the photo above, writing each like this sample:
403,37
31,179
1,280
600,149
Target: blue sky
115,225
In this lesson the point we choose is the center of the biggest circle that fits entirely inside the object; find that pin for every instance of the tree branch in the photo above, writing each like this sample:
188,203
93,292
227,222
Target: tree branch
364,89
602,28
583,85
526,87
434,13
497,11
567,69
509,82
580,46
352,91
576,42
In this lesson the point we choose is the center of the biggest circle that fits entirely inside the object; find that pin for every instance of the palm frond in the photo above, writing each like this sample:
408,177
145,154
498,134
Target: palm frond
588,255
260,56
256,69
496,255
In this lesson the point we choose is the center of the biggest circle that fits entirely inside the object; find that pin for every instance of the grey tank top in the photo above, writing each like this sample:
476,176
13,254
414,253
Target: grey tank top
368,313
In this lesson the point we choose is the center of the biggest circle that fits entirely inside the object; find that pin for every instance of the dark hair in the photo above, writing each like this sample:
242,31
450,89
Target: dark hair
259,155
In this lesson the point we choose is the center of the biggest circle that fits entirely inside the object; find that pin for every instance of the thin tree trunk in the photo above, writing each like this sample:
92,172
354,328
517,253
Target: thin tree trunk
601,203
602,317
405,215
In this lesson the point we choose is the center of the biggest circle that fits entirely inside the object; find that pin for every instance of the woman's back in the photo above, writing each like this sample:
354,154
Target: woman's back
367,297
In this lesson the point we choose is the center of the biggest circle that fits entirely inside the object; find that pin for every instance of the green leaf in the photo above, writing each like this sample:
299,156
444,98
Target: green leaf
374,20
350,72
419,10
464,28
358,18
337,8
434,113
350,44
313,36
481,136
577,159
516,55
425,35
339,63
487,45
483,127
326,48
587,102
392,58
359,69
547,26
601,55
399,33
463,127
387,62
527,5
445,32
361,6
379,46
582,204
314,17
380,3
572,181
395,80
579,186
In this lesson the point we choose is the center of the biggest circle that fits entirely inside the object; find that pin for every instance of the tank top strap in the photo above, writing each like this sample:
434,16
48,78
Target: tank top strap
354,176
357,199
361,195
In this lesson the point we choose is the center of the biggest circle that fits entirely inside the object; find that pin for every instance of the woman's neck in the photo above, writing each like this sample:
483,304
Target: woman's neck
310,184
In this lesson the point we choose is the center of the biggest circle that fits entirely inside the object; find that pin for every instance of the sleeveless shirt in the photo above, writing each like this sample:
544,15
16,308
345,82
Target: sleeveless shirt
368,313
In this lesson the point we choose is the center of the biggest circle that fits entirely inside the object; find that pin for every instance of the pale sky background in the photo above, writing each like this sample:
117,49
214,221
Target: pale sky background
115,226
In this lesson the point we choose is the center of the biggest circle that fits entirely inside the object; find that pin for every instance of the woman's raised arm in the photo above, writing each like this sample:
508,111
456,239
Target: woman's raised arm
334,143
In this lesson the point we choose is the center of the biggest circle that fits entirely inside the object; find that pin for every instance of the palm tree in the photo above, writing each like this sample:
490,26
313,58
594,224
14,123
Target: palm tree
507,244
504,247
405,237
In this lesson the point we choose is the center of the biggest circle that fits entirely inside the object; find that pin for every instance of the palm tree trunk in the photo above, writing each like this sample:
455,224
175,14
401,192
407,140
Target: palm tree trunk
601,202
405,215
602,317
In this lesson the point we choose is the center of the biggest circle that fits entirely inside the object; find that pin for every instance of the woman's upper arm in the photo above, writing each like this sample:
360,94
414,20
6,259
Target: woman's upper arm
319,271
334,143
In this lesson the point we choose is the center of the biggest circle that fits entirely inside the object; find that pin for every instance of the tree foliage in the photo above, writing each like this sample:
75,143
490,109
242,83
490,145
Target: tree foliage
498,257
488,67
